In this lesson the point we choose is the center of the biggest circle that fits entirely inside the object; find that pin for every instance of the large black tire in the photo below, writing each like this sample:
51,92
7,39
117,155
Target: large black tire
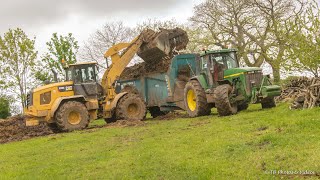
195,99
222,100
156,112
71,116
268,103
131,107
243,106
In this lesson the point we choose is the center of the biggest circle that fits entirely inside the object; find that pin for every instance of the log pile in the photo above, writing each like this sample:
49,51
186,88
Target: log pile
303,91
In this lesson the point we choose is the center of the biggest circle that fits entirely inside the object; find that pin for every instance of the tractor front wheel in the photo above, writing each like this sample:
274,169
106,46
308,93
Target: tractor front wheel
268,103
195,99
131,107
223,101
72,115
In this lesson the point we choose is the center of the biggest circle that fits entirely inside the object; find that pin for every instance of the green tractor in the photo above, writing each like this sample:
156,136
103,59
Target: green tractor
221,83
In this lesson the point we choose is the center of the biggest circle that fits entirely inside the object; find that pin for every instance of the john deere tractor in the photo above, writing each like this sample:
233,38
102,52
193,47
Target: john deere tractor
220,82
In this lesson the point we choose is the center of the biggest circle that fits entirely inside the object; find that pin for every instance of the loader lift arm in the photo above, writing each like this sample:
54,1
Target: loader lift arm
119,63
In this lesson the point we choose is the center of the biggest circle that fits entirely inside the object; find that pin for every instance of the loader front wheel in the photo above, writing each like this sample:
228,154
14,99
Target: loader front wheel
223,100
195,99
71,116
131,107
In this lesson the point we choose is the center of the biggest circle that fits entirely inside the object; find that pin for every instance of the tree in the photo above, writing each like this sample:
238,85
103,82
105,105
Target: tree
277,15
257,28
59,48
115,32
4,107
17,61
305,41
224,23
104,38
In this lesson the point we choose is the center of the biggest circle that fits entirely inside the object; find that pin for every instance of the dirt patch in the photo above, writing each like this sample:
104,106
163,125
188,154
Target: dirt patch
14,129
262,128
125,123
171,116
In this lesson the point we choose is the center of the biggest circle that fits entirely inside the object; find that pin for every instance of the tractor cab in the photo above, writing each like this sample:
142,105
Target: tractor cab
214,63
84,78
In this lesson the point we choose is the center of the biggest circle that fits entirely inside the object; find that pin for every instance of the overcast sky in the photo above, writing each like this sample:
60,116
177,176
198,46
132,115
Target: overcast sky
41,18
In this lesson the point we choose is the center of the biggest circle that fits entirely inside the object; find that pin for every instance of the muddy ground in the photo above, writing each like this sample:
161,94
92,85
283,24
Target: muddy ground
172,115
14,129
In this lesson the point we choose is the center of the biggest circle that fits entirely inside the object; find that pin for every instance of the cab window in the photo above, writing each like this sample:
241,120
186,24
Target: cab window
204,62
85,74
69,75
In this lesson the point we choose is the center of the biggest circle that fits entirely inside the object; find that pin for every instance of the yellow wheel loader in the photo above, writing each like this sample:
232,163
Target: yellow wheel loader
71,105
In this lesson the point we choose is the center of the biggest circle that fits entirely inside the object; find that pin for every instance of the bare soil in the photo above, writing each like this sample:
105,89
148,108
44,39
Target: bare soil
14,129
171,116
126,123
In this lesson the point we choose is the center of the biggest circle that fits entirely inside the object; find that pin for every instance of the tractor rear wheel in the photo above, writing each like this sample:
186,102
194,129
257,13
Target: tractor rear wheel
195,99
223,102
72,115
268,103
131,107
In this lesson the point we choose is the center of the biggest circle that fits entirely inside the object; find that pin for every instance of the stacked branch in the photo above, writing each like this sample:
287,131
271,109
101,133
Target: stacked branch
303,91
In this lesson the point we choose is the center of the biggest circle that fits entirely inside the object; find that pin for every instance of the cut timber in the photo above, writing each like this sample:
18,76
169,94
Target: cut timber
303,92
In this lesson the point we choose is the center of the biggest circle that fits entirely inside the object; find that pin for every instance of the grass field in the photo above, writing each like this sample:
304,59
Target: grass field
248,145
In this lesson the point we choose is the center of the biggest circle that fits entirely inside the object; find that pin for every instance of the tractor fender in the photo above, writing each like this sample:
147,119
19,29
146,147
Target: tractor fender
116,99
58,101
202,80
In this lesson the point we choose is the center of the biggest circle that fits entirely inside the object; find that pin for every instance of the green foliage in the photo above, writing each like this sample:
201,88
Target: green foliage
305,42
59,48
4,107
244,146
17,62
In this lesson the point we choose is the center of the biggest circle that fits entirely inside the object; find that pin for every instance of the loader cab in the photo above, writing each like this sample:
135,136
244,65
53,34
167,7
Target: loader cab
214,63
84,77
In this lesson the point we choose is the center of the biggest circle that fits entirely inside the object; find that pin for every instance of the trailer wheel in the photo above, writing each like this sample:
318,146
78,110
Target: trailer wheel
268,103
71,116
131,107
195,99
155,112
223,102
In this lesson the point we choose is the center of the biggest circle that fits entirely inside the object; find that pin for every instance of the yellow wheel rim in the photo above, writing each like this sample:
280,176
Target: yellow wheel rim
191,99
74,118
133,110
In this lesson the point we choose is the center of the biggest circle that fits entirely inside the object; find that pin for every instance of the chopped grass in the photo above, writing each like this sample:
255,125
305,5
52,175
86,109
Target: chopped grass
244,146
